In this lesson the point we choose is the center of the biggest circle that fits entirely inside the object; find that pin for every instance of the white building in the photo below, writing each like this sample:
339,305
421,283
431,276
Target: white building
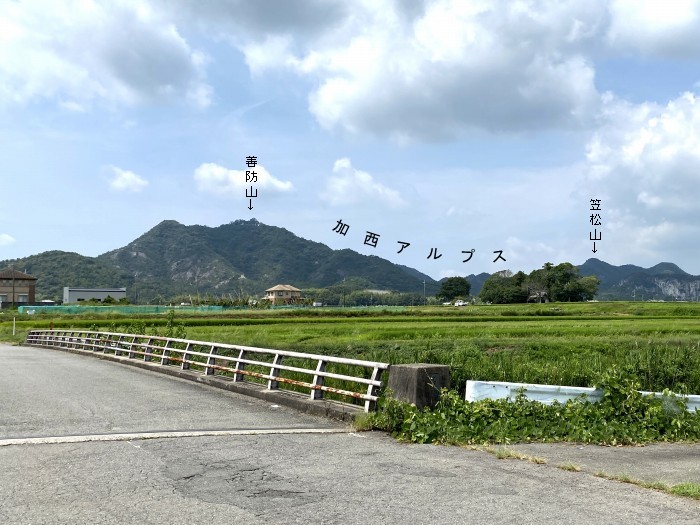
282,294
77,295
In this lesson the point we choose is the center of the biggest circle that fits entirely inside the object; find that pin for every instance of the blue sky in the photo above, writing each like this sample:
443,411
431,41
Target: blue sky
449,125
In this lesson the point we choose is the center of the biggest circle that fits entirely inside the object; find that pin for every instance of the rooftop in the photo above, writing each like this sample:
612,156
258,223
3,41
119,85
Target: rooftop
9,273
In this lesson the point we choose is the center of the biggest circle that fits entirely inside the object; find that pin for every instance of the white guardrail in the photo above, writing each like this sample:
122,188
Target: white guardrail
317,374
547,394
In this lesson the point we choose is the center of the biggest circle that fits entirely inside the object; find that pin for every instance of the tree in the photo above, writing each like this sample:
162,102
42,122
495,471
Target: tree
588,287
454,287
504,288
560,283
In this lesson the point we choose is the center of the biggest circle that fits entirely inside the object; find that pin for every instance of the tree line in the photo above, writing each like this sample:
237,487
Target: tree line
562,282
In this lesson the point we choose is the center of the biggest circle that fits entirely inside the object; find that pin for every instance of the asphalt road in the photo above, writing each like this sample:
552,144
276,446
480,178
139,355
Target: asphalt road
73,449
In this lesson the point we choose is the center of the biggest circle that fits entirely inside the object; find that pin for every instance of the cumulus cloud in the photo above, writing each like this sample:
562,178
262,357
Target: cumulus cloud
352,186
304,17
216,179
6,239
645,162
432,70
124,180
445,68
655,28
119,52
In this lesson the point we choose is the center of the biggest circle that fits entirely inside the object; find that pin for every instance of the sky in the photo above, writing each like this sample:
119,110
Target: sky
454,137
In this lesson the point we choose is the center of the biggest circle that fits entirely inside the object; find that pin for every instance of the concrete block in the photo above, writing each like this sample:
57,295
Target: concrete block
419,383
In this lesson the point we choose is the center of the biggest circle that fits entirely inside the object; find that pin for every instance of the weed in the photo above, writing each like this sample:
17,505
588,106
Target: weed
571,467
509,453
689,490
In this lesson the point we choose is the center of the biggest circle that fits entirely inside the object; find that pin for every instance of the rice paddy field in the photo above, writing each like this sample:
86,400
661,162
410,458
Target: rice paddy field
555,343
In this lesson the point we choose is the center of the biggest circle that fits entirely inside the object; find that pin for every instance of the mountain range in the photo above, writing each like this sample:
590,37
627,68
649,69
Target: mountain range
245,257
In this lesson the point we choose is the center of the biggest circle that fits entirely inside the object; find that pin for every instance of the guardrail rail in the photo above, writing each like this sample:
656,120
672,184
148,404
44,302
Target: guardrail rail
351,378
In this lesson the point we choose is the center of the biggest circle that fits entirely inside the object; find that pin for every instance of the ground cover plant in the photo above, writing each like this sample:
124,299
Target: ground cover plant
623,417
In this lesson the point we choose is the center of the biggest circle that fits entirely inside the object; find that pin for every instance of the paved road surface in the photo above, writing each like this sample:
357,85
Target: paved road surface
67,473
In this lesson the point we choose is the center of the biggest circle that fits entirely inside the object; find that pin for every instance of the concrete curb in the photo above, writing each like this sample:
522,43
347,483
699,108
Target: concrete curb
298,401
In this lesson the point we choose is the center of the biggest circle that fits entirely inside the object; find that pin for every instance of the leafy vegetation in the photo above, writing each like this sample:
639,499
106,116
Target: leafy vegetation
622,417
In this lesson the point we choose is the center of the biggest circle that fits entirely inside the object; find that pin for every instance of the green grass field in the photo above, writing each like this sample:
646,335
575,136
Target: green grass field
557,343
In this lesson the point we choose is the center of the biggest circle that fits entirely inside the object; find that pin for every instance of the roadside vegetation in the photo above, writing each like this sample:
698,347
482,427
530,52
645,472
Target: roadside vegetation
622,417
687,490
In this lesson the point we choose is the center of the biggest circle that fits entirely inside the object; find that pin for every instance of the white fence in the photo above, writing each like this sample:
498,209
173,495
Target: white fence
547,394
317,374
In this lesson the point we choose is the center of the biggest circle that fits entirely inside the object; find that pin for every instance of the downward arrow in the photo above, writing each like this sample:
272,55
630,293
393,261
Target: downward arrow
594,250
250,207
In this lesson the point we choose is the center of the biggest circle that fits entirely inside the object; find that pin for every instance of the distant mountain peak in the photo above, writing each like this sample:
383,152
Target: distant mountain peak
663,281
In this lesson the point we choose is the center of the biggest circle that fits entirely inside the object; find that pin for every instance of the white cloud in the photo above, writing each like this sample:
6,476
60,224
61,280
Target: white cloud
351,186
645,163
216,179
654,27
520,251
119,52
124,180
449,67
6,239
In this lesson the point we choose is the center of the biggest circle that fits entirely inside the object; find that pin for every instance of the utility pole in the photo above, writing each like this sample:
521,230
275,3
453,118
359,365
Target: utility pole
425,300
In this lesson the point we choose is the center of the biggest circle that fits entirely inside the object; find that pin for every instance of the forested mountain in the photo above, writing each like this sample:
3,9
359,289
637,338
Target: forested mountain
238,259
243,258
664,281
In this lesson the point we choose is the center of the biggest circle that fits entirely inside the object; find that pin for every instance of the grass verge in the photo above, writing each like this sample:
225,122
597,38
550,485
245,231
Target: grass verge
687,490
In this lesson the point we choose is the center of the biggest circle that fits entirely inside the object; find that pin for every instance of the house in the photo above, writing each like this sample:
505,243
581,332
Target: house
283,294
16,287
78,295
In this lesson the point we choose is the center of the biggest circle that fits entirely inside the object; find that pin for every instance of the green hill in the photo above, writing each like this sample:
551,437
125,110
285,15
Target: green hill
240,258
56,269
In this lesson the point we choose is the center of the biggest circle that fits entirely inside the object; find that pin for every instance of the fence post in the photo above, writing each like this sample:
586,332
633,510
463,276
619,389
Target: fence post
372,390
316,392
148,351
185,365
239,366
166,353
211,361
272,384
131,346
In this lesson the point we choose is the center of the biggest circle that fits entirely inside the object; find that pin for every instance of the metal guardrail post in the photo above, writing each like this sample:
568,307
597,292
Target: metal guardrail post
316,392
166,353
372,390
118,348
274,372
148,350
131,354
211,362
185,356
239,366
